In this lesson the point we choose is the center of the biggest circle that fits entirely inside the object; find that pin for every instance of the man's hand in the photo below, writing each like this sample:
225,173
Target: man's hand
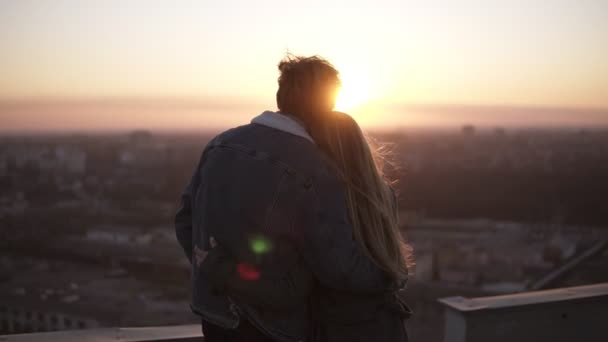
200,254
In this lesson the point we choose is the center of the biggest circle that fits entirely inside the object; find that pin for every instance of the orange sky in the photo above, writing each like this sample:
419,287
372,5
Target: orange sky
223,55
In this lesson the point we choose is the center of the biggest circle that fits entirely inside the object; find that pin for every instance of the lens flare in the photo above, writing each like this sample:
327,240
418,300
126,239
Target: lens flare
247,272
260,245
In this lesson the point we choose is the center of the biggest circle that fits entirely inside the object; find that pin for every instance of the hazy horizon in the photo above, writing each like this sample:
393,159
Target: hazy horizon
182,115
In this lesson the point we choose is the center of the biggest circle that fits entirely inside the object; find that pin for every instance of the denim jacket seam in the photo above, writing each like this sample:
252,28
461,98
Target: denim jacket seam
274,200
247,151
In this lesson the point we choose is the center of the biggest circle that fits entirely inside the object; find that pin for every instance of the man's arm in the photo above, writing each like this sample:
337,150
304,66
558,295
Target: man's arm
183,217
277,291
334,256
183,221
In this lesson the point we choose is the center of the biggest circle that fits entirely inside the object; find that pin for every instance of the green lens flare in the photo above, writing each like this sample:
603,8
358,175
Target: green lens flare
260,245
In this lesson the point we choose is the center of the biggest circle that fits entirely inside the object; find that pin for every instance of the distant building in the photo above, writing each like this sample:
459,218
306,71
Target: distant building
3,168
72,159
468,130
500,131
140,137
14,320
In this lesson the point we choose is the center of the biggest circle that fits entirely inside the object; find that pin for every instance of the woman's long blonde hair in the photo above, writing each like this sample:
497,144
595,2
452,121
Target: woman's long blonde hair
371,202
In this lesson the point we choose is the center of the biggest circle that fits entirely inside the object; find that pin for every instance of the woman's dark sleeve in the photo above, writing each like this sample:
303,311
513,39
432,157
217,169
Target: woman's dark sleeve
277,291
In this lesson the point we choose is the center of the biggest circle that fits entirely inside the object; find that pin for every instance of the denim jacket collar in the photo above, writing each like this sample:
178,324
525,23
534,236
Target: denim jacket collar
282,122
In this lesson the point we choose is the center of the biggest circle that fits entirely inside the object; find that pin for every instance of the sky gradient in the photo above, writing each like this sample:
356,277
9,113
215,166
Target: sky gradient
390,53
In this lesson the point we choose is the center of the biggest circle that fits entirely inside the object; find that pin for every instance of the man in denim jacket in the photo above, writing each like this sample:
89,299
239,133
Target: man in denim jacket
272,201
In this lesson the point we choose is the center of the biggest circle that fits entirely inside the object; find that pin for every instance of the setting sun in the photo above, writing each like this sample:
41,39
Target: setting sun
355,90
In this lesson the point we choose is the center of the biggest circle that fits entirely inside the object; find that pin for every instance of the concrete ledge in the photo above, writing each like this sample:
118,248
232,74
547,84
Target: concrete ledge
526,298
566,314
180,333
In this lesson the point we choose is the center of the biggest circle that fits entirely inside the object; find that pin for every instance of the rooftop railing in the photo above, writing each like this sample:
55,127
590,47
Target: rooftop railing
565,314
178,333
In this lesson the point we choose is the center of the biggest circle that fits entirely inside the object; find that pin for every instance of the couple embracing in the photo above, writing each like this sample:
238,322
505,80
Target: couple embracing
290,227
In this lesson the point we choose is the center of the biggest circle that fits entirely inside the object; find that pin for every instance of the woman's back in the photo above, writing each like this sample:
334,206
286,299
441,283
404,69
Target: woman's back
345,316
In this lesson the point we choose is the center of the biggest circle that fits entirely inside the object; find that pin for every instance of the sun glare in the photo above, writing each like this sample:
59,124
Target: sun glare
354,92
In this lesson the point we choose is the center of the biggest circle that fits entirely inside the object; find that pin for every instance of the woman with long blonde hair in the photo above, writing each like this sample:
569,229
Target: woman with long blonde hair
373,214
370,199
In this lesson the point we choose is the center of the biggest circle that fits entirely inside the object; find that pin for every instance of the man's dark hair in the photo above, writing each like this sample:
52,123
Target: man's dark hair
307,87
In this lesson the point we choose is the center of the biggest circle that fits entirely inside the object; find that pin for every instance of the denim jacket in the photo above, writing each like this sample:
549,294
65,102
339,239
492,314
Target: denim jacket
273,203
